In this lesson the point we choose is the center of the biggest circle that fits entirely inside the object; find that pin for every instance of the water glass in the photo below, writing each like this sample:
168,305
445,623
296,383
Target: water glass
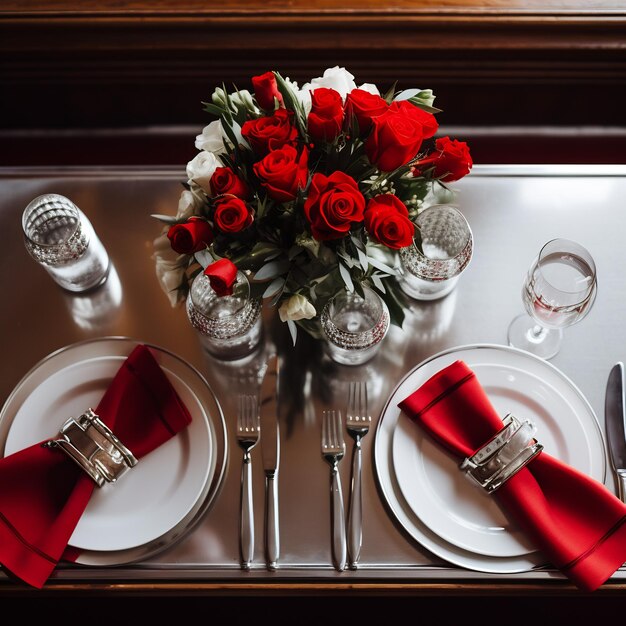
559,290
59,236
354,326
229,327
447,246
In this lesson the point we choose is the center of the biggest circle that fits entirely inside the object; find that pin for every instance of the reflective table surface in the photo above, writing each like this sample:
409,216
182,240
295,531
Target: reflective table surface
512,211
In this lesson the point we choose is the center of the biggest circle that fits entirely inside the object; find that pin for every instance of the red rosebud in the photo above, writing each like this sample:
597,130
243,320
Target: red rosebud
452,159
225,181
222,275
192,236
365,106
231,215
265,90
334,203
387,221
282,173
398,134
326,116
270,132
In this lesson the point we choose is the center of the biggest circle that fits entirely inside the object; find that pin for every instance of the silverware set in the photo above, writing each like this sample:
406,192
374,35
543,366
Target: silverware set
248,430
258,420
358,422
615,415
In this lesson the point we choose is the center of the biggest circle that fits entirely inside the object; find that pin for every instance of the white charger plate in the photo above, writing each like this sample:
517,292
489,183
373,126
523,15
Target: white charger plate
167,488
432,499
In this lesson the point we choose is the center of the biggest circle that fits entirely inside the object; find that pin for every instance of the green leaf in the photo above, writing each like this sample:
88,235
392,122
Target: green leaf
166,219
214,109
347,279
382,267
420,105
230,133
396,309
204,257
271,270
293,329
292,103
388,97
349,261
359,244
363,259
294,251
378,283
274,287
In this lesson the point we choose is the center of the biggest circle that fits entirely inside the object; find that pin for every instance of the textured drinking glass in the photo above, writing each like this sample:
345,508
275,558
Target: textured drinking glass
559,290
229,326
354,326
59,236
447,245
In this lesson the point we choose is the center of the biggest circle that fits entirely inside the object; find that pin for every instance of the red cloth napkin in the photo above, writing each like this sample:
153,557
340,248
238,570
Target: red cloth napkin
43,493
573,519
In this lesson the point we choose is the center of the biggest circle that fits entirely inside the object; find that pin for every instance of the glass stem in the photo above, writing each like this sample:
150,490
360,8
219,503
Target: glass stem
537,333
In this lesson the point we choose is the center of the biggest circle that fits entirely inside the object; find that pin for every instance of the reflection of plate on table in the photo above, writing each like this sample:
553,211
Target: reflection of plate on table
435,503
159,499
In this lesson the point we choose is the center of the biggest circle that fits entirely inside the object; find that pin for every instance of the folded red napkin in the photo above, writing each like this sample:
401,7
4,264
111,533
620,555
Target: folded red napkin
43,493
573,519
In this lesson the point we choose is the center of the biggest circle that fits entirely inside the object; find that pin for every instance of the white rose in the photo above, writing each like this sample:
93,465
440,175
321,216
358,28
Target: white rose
170,268
425,95
370,88
189,204
201,169
304,97
337,78
212,138
296,308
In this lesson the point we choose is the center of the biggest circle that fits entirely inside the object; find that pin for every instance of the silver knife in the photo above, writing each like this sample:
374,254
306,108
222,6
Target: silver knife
270,451
616,426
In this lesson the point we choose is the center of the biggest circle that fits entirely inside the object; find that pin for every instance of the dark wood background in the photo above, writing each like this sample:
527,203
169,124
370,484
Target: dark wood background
508,73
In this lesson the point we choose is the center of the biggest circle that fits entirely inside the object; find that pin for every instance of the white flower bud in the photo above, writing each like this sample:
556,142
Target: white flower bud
296,308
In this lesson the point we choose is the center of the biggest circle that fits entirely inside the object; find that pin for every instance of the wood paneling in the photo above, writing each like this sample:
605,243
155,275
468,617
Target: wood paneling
120,63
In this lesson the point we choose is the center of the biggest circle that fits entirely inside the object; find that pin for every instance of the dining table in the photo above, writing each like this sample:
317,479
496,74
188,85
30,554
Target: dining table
512,211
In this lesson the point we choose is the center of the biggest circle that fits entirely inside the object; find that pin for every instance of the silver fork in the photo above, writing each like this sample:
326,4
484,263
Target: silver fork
333,450
358,422
248,430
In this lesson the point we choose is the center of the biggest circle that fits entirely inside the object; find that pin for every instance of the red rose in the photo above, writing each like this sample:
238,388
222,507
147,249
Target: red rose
225,181
192,236
265,90
427,120
231,215
326,116
453,159
387,221
222,275
365,106
334,202
397,135
270,132
282,173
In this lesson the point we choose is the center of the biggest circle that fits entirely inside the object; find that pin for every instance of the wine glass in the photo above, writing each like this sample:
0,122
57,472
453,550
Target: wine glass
559,290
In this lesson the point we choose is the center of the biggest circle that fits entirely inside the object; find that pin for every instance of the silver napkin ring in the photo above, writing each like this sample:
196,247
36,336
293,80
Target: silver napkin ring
89,442
503,455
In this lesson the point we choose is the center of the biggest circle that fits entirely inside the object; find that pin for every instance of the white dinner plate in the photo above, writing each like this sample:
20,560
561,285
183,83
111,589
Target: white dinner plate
435,503
162,490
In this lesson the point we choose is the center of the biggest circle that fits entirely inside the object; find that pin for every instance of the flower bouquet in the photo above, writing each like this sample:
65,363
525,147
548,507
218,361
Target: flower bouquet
308,191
